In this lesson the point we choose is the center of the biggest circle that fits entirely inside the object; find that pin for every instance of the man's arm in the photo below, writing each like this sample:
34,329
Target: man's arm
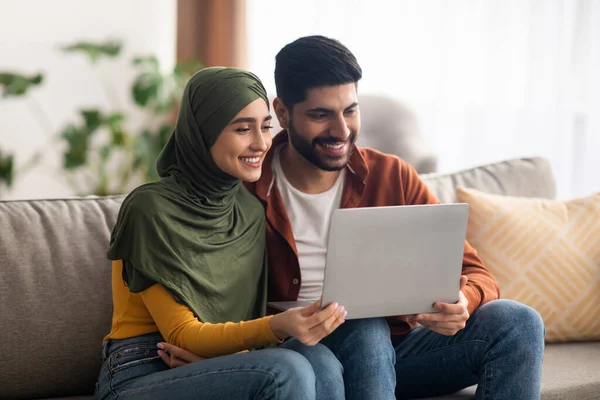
481,286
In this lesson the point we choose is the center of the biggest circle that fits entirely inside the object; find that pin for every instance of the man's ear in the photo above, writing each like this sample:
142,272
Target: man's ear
281,112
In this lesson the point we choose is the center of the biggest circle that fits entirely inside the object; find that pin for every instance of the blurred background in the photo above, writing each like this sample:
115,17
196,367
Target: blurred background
89,89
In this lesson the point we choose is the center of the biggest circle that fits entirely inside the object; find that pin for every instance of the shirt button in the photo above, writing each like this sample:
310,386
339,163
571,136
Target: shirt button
295,281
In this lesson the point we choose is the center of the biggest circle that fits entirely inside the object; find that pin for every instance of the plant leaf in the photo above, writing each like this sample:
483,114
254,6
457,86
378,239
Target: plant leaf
6,168
146,148
77,139
17,85
95,51
93,119
157,91
150,61
188,68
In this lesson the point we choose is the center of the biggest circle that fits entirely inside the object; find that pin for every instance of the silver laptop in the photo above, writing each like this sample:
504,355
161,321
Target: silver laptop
396,260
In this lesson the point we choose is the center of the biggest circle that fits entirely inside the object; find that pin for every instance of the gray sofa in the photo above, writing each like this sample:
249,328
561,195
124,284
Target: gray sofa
55,291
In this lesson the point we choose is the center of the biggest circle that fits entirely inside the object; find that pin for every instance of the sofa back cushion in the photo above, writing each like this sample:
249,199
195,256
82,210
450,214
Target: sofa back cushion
523,177
55,294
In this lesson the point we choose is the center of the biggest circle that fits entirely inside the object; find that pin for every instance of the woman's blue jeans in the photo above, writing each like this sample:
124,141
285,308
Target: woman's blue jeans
133,370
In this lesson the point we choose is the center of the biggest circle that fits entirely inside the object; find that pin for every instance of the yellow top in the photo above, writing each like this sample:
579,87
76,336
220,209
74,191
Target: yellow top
155,309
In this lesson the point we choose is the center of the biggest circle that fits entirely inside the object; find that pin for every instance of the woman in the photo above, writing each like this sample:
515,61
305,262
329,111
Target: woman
188,260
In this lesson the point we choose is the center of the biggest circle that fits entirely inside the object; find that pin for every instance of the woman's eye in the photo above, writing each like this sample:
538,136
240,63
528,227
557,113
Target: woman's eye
267,127
242,130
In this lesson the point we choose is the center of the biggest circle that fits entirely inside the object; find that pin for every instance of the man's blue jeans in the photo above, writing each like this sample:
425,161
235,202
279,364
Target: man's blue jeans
501,349
133,370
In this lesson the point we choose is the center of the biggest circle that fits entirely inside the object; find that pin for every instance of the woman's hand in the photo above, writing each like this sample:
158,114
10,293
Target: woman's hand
308,324
175,356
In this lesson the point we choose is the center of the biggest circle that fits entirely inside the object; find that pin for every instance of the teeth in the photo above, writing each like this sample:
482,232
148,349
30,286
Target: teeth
250,159
333,146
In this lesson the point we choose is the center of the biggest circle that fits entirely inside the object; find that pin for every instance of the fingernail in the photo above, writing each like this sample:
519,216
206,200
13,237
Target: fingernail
335,306
160,345
345,313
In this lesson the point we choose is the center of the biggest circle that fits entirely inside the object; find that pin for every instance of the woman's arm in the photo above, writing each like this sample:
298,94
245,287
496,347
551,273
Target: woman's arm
178,326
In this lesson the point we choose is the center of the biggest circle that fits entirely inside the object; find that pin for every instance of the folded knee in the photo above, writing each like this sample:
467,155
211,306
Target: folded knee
516,318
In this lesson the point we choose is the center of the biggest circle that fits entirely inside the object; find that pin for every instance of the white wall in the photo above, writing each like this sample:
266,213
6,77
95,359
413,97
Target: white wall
31,32
488,79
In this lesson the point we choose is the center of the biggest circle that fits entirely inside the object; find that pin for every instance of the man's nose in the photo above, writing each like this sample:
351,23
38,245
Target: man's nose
340,128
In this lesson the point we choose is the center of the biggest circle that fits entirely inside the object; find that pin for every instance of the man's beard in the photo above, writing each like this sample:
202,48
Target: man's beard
309,151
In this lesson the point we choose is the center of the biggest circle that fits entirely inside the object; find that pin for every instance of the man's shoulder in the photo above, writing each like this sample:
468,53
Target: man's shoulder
382,162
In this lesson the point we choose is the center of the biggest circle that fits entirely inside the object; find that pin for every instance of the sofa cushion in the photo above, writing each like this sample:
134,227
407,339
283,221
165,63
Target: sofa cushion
55,294
570,372
525,177
545,254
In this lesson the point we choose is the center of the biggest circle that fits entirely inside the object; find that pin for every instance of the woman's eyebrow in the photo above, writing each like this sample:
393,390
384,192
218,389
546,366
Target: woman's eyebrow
249,120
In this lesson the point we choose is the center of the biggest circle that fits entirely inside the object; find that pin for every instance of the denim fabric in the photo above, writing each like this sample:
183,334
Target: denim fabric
501,349
133,370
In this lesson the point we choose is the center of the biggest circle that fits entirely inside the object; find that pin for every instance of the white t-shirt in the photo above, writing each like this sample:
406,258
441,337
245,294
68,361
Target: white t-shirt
310,215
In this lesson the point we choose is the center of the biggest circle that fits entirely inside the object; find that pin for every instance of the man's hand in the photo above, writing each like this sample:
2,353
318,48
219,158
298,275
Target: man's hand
451,318
308,324
175,356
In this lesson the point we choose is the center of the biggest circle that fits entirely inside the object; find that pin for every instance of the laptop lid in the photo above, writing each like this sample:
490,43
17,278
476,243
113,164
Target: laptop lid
395,260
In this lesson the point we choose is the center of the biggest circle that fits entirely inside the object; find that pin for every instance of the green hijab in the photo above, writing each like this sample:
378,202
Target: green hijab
198,231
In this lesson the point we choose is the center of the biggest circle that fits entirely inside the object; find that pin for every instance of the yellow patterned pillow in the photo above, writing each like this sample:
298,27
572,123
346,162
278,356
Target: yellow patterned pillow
545,254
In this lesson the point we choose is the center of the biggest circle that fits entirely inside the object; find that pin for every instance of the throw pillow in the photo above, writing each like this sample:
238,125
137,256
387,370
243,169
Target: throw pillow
545,254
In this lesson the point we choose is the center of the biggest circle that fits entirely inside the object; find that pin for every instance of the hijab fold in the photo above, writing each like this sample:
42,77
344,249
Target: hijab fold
197,230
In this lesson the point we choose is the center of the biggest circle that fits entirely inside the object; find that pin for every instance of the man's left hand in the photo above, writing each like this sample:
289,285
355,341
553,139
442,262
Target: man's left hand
451,318
175,356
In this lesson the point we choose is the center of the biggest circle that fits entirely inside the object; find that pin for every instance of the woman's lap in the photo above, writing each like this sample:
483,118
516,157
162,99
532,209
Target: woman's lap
132,369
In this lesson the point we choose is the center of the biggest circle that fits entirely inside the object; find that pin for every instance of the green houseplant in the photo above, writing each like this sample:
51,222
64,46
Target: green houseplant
101,153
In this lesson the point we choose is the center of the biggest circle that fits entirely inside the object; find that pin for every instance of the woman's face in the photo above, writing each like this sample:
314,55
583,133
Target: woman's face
241,147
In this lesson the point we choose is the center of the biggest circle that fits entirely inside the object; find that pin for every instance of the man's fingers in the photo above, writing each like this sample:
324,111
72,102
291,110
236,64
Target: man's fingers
446,308
178,352
453,314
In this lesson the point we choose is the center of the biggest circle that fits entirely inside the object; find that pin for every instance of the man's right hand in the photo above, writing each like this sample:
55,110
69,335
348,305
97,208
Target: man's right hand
308,324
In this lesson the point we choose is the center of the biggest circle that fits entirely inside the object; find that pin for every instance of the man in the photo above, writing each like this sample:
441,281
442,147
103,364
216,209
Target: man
313,168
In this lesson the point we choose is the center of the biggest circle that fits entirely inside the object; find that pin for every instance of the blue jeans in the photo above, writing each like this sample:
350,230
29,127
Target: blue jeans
133,370
501,349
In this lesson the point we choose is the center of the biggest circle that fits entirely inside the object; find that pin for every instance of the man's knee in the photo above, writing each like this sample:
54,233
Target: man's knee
369,328
516,318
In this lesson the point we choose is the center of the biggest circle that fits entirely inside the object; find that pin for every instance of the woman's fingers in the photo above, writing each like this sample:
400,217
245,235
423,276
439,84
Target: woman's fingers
320,316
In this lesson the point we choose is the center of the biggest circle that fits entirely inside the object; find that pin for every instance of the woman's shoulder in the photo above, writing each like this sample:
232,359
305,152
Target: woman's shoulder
145,199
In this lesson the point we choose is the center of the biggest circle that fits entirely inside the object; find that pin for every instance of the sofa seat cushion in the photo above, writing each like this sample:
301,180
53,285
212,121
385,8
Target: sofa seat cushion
571,372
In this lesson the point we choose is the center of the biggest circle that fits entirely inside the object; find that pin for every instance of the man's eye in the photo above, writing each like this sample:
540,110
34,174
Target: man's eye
351,112
318,115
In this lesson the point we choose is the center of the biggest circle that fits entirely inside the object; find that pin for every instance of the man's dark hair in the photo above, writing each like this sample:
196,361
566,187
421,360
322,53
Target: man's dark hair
311,62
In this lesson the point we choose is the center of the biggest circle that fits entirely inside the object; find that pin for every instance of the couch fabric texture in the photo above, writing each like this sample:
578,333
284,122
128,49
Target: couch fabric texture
55,292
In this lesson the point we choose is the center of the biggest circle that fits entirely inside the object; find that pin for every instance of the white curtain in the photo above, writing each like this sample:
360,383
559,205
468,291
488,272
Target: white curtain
488,80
